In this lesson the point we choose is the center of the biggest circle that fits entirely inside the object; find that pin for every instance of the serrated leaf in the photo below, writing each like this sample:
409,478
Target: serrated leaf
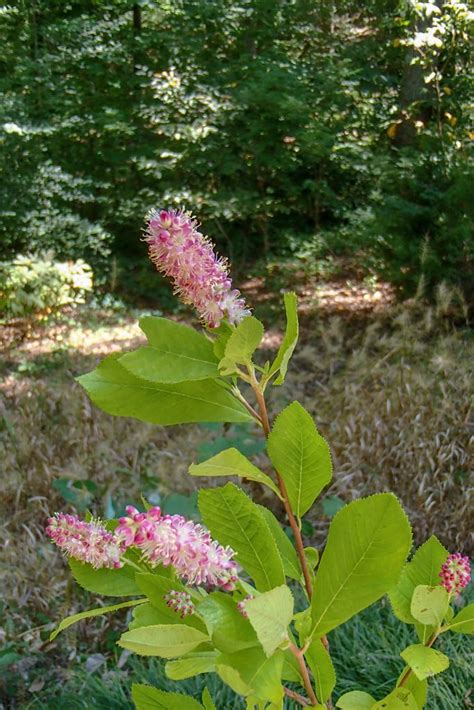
399,699
270,614
226,626
146,697
463,623
424,662
423,568
243,342
115,390
192,665
108,582
70,620
232,463
321,666
300,455
235,520
175,353
164,640
285,547
368,542
258,673
355,700
429,604
290,339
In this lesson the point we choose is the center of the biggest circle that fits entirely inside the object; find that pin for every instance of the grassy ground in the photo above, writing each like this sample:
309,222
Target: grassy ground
389,388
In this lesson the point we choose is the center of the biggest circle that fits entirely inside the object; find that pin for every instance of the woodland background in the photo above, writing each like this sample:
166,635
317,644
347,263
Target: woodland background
326,147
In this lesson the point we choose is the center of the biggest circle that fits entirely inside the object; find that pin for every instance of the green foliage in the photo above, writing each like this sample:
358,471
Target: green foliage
356,700
164,640
117,391
225,625
425,662
270,614
285,351
301,456
399,699
70,620
175,353
232,463
110,582
235,520
147,698
423,569
37,287
322,668
463,623
357,570
429,605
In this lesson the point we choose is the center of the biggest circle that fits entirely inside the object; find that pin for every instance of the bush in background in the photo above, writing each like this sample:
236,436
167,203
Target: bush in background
34,288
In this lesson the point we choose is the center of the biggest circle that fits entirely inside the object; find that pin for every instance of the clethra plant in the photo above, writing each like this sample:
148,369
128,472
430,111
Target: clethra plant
236,595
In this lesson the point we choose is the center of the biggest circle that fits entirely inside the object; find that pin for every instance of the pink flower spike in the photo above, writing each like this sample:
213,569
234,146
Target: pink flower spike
201,278
187,546
88,542
455,573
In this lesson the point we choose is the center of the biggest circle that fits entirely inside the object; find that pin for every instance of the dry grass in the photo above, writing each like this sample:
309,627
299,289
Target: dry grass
392,397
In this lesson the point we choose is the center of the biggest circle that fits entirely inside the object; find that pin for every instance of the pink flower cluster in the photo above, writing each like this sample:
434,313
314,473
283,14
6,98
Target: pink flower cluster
187,546
162,539
180,602
201,278
455,573
88,542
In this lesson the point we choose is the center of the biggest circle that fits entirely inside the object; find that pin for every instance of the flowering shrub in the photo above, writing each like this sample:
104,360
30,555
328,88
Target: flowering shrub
226,596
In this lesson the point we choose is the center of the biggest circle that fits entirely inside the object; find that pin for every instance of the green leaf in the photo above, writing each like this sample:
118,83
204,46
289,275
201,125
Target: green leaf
290,339
424,662
233,679
108,582
270,614
207,700
258,673
145,615
115,390
155,588
174,353
399,699
146,697
463,623
322,669
235,520
355,700
226,626
367,544
243,342
285,547
423,568
429,604
300,455
189,666
232,463
164,640
418,688
222,333
70,620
